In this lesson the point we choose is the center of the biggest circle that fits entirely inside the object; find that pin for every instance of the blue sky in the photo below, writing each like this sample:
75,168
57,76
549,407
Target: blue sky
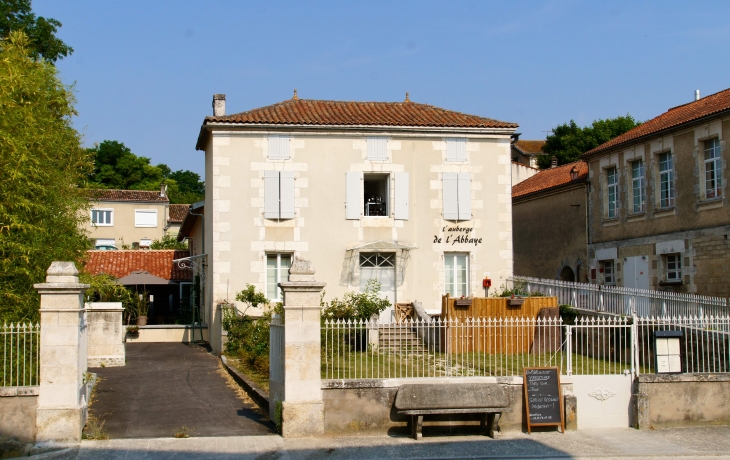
145,72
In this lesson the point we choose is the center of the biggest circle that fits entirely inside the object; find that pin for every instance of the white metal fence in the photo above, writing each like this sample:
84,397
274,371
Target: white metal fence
622,300
276,350
479,347
20,354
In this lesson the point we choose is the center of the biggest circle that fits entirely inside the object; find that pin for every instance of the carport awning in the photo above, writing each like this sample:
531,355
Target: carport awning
382,245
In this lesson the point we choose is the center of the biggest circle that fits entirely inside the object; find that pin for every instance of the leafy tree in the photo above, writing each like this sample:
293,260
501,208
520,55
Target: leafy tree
42,209
569,141
117,167
16,15
168,242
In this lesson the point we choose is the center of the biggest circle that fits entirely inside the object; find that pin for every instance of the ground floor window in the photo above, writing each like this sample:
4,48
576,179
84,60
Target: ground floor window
277,271
105,243
456,271
674,267
609,272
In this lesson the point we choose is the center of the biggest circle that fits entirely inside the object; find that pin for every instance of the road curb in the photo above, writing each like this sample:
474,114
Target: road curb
259,396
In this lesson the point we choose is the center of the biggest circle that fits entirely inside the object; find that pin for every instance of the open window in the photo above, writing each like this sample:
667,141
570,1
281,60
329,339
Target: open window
376,191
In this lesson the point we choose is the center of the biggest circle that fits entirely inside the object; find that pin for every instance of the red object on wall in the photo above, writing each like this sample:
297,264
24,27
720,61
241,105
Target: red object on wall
486,282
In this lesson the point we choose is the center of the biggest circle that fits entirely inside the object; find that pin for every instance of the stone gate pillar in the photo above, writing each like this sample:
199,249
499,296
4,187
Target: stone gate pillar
302,406
62,399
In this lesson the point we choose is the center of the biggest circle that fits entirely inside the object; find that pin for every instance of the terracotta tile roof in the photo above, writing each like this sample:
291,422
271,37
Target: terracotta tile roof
122,263
696,110
316,112
136,196
178,213
550,178
527,146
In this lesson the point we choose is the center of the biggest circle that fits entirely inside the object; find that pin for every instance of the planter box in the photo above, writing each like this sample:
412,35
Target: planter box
517,302
463,302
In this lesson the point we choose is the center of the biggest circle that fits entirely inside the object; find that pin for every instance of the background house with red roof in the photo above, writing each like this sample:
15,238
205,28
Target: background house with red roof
524,159
659,214
549,215
412,195
132,217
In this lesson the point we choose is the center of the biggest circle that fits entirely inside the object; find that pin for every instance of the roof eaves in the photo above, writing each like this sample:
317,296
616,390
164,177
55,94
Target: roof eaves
581,180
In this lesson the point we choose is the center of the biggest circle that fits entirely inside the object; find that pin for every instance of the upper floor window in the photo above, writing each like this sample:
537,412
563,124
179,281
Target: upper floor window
369,194
278,147
611,192
637,185
666,180
377,148
102,217
456,149
456,196
456,270
279,195
145,218
713,169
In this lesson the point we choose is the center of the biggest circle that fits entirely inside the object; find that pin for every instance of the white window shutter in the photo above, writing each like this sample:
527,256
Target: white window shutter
450,196
278,147
464,191
456,149
401,195
377,148
145,218
271,194
286,194
353,203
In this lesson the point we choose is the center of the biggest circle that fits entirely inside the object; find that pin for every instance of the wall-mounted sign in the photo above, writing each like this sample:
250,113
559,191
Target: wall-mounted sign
668,352
457,235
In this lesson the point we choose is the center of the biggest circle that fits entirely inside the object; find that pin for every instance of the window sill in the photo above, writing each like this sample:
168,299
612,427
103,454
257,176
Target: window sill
671,283
636,217
101,225
663,212
608,222
713,203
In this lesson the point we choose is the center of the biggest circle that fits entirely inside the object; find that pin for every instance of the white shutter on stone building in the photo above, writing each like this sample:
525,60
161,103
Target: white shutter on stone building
455,149
464,192
278,147
401,195
271,194
450,196
377,148
286,195
353,200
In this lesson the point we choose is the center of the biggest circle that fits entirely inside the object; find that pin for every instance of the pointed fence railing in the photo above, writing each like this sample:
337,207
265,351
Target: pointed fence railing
622,300
20,348
474,347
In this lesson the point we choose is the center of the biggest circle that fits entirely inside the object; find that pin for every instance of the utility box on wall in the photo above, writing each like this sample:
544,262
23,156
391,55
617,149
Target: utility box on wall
668,352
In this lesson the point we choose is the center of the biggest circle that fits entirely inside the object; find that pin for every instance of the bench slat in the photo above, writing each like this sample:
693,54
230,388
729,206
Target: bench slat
482,410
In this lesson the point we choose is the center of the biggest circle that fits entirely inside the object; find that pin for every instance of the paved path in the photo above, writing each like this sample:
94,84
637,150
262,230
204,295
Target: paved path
680,443
166,386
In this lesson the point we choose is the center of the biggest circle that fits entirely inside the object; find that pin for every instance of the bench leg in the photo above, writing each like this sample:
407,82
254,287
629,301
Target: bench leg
416,426
492,423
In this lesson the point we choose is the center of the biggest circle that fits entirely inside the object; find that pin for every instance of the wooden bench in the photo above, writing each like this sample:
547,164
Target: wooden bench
488,399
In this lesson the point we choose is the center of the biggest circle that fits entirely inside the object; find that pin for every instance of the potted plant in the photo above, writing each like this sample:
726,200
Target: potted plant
133,330
143,307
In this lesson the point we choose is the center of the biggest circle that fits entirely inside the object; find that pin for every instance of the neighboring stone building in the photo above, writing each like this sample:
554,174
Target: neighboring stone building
128,217
549,224
191,228
658,204
415,196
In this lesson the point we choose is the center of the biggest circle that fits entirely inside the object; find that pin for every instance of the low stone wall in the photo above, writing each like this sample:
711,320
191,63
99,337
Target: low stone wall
18,413
105,334
366,406
682,399
167,333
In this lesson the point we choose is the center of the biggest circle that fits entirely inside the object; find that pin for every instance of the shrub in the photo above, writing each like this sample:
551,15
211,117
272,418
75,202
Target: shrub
568,313
356,305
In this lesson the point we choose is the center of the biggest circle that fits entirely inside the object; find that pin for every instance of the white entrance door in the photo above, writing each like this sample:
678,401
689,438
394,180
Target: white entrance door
380,266
636,272
604,401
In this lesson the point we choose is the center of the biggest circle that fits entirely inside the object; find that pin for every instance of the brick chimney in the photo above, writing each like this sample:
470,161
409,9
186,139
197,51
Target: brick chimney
219,105
553,162
163,190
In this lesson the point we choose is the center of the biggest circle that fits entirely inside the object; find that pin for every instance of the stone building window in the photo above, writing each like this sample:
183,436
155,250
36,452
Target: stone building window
637,186
609,272
713,169
666,180
611,192
102,217
673,262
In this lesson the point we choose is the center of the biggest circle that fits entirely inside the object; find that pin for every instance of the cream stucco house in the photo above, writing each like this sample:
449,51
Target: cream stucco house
415,196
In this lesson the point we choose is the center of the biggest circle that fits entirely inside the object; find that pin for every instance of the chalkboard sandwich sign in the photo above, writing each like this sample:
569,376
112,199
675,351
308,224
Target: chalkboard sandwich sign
543,401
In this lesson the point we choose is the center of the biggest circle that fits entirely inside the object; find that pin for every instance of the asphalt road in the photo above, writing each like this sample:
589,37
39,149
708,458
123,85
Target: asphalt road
167,386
